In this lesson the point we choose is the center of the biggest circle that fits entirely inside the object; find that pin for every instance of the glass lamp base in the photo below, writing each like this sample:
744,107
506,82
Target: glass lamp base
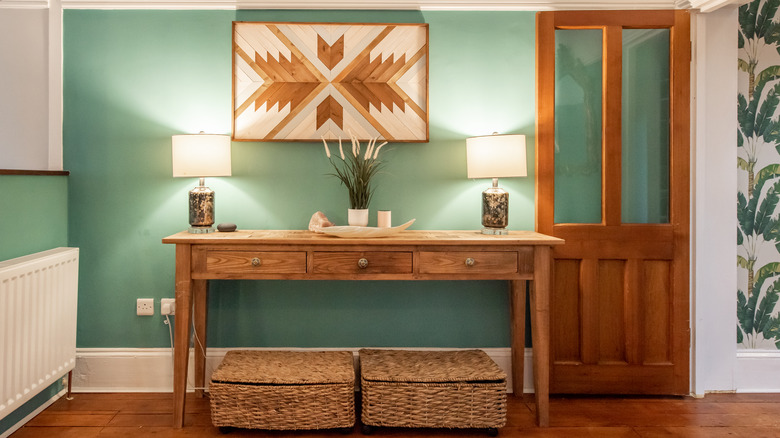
201,209
495,211
495,231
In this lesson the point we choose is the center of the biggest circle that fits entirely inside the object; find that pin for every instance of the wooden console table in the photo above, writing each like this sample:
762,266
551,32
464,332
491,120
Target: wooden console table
409,255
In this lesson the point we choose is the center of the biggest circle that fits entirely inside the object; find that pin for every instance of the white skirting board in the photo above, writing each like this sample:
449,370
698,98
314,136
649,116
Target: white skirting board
757,371
151,369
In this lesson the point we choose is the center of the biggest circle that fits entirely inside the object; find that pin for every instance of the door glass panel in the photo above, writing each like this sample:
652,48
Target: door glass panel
578,73
645,126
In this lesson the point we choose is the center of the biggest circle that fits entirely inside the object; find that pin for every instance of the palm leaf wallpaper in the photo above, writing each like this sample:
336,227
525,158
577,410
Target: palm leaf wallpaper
307,81
758,167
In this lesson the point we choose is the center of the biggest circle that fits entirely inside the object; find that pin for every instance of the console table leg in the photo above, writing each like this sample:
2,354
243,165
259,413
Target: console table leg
517,315
540,332
181,341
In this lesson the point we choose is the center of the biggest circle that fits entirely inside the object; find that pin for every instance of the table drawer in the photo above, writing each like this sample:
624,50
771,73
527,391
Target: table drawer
362,262
254,262
468,262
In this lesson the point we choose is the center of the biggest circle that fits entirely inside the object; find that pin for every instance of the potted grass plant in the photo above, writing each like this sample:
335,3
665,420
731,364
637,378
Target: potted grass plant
356,169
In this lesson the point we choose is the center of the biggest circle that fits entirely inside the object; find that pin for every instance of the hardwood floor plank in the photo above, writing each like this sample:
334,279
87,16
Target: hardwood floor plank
708,432
46,418
602,417
59,432
570,432
160,432
520,413
683,407
142,420
156,420
140,403
743,398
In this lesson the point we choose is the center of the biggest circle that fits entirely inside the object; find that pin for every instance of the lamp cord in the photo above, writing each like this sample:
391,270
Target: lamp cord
197,340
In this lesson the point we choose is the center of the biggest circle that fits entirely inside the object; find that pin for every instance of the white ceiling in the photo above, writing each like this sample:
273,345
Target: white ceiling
420,5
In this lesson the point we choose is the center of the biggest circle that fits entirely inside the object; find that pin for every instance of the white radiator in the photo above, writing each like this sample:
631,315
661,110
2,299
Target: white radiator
38,296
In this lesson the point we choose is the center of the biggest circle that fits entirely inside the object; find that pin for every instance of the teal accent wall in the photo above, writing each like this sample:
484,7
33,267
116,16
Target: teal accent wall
9,421
134,78
34,214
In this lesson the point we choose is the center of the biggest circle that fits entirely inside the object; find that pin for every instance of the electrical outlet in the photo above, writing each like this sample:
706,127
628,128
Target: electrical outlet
168,306
144,306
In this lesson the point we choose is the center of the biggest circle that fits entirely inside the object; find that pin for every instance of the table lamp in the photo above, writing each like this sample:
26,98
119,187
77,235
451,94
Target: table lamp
495,156
201,155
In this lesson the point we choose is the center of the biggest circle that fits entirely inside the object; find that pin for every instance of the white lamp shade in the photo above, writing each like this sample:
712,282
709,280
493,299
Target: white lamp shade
496,156
201,155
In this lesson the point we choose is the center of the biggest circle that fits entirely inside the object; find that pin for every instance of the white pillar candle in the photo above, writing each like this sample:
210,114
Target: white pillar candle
383,218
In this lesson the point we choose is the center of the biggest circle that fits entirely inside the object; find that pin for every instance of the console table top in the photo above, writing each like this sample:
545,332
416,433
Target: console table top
406,237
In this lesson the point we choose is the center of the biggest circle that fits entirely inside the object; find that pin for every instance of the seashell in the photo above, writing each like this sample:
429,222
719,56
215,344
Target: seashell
318,222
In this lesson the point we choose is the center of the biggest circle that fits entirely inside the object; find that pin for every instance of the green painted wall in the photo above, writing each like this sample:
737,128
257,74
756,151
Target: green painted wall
38,400
34,214
134,78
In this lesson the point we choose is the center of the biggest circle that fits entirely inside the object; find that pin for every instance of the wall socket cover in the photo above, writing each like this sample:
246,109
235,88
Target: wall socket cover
144,306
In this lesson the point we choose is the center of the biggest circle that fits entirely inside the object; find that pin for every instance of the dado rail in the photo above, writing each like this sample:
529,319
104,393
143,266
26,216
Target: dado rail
409,255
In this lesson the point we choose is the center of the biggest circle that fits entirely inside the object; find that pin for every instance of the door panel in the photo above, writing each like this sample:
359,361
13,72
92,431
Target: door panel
611,312
612,180
655,305
566,286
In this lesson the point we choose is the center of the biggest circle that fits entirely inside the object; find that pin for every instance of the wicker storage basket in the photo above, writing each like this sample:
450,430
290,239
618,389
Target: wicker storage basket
284,390
453,389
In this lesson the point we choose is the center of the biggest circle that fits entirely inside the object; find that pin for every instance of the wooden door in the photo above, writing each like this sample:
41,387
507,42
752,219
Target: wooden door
612,180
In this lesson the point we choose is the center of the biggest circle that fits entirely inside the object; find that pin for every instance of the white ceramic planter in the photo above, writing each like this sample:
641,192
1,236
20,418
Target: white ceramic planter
357,217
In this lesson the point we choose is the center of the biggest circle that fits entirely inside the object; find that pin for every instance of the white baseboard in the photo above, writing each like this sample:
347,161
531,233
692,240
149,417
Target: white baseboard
757,371
32,414
151,369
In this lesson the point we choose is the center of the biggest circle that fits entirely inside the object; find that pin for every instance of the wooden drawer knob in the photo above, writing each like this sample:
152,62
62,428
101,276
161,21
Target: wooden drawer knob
470,261
363,263
256,261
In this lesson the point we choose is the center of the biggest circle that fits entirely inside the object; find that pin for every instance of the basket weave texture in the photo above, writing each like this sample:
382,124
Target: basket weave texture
452,389
284,390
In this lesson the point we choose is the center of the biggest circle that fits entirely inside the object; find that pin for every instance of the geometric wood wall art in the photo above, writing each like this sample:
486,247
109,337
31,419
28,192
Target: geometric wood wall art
305,81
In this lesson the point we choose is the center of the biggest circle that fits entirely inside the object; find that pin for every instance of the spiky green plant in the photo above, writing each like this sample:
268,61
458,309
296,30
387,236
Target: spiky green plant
356,170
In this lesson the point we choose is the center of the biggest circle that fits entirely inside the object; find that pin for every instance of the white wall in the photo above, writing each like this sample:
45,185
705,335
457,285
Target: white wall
24,89
30,87
714,196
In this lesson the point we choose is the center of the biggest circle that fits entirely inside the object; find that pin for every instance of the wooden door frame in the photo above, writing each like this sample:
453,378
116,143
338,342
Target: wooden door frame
679,136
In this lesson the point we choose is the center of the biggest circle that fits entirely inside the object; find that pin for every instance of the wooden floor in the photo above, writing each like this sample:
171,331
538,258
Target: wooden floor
715,416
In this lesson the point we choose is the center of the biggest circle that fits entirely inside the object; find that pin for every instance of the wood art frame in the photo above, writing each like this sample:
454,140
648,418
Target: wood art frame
307,81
